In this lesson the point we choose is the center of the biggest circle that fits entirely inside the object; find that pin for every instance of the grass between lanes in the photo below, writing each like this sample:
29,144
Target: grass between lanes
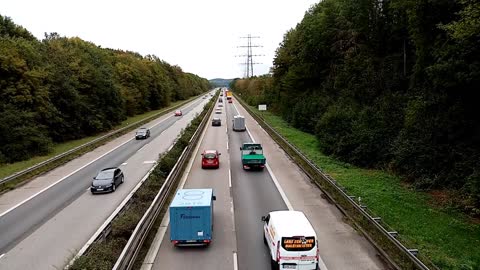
451,240
11,168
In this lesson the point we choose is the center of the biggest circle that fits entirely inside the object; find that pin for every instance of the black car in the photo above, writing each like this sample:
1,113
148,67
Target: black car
107,180
216,121
142,133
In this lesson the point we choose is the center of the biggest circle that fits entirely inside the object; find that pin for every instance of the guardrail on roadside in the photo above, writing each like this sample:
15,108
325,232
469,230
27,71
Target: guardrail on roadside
42,164
105,228
130,251
398,255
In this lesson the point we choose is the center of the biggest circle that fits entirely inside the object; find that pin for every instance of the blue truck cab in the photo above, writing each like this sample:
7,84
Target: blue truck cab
191,217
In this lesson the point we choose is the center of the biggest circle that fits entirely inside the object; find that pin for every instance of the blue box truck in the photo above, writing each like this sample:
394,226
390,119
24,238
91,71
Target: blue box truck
191,217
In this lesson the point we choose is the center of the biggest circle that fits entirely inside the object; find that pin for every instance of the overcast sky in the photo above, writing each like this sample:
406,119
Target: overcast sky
200,36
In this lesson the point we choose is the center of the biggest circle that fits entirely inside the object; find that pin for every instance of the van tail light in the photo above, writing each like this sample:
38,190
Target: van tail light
278,251
206,241
175,242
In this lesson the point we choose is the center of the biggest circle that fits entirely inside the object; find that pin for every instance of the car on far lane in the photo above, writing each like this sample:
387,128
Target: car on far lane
107,180
142,133
210,159
216,121
220,105
218,111
178,113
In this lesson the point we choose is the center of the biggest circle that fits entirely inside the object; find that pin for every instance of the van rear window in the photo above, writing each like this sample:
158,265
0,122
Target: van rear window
298,243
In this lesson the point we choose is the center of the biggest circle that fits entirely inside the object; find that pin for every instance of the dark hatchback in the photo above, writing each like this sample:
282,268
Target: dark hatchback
142,133
107,180
216,122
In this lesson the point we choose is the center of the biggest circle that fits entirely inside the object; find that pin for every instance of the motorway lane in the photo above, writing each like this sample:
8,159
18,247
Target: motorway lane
77,214
254,195
340,246
219,255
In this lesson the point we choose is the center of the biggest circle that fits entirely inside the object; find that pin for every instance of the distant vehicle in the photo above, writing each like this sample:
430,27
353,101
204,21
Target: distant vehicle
216,121
252,156
191,217
218,111
210,159
220,100
107,180
220,105
142,133
229,96
291,239
238,123
178,113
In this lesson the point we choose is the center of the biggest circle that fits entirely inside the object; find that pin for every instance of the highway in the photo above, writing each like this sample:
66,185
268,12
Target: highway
220,253
244,196
49,219
45,222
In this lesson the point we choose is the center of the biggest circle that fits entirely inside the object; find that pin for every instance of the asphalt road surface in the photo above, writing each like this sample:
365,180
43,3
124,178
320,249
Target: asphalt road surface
44,223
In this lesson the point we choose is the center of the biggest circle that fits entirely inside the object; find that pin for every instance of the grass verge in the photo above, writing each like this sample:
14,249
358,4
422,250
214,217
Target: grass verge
9,169
449,239
103,255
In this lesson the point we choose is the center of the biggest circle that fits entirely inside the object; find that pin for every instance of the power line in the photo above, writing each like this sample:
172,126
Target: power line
249,56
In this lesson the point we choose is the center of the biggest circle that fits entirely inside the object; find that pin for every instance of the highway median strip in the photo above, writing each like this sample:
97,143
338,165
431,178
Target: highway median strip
106,249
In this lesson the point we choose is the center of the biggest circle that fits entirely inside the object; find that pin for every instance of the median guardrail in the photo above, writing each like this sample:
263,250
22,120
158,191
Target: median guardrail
384,239
141,231
64,157
129,254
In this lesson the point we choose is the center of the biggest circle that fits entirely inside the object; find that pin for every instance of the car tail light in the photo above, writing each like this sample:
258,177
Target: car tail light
174,242
206,241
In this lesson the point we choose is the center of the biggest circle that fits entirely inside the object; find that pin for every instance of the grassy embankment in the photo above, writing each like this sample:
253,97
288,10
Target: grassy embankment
451,240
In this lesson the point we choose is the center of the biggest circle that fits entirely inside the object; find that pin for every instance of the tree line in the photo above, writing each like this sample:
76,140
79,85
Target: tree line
387,84
59,89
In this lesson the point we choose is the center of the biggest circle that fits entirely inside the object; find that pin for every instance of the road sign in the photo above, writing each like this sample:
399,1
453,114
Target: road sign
262,107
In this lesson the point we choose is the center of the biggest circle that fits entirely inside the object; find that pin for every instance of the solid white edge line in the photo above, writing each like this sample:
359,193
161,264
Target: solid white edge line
280,190
110,218
321,264
63,178
149,259
229,178
235,261
70,174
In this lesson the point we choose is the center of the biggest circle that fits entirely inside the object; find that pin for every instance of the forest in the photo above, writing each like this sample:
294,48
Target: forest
59,89
388,84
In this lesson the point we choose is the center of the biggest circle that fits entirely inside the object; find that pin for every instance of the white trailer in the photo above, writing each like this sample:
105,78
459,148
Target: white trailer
239,123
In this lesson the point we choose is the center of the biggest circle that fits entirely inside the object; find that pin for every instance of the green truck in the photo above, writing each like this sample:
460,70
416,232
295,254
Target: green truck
252,156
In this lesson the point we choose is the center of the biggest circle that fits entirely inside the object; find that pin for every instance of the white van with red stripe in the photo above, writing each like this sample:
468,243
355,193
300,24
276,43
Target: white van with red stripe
291,239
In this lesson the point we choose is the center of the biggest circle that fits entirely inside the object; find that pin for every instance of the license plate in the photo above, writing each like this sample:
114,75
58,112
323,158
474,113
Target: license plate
99,189
210,161
289,267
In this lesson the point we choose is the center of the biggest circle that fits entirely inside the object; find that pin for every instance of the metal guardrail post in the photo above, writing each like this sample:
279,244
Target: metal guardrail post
396,252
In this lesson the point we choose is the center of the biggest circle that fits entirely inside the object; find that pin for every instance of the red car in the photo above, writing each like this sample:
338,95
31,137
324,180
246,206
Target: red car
178,113
210,159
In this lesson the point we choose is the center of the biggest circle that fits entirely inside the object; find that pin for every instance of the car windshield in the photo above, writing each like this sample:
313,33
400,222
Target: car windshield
104,175
209,155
